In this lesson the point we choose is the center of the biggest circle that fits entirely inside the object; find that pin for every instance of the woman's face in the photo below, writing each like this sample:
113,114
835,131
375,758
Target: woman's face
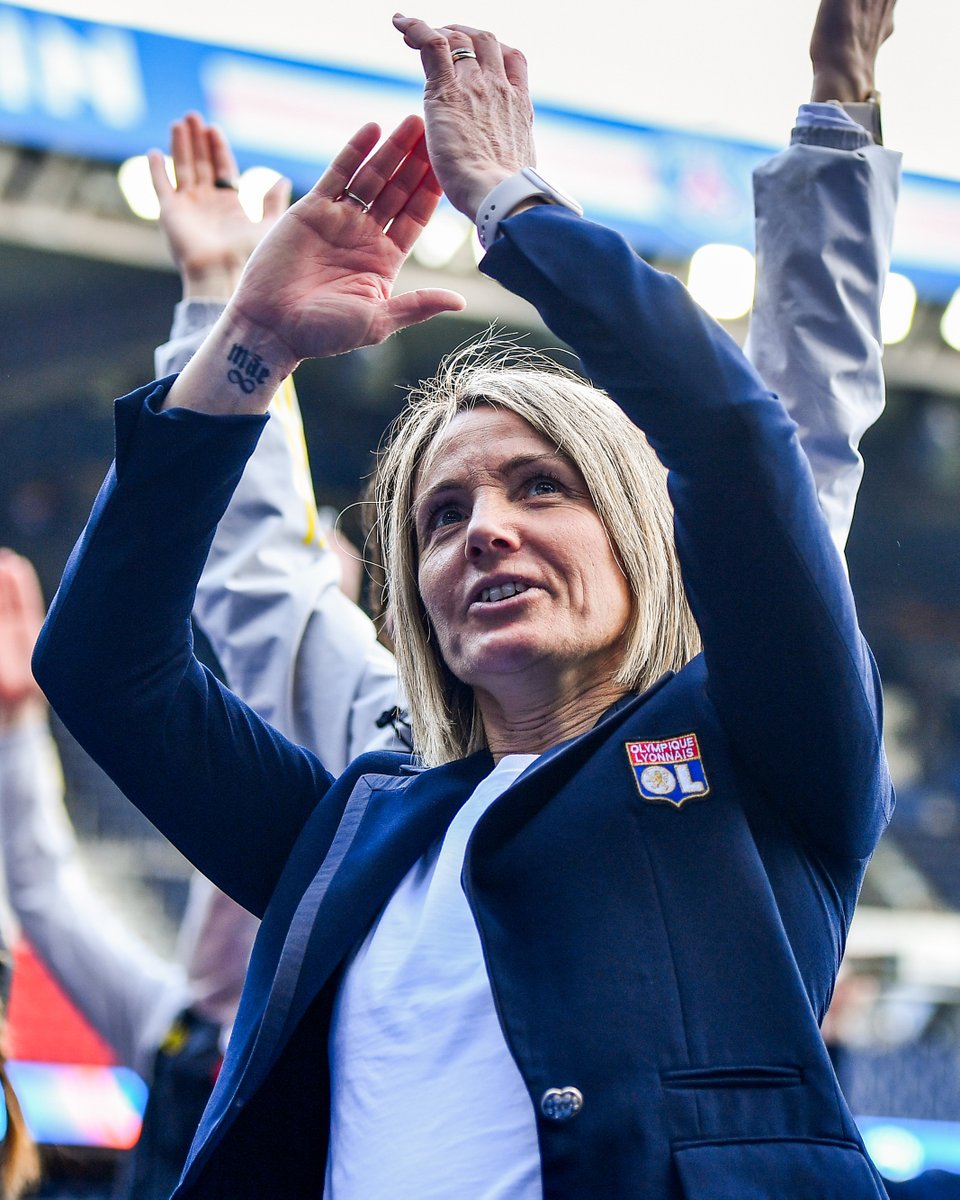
515,569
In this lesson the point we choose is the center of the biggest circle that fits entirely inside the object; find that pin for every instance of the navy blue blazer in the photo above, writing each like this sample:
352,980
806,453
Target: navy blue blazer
663,902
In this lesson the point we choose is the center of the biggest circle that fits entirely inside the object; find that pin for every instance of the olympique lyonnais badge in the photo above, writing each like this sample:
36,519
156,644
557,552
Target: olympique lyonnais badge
669,770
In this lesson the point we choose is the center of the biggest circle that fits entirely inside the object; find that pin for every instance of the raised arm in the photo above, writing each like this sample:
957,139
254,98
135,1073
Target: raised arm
791,680
815,329
325,285
115,654
126,991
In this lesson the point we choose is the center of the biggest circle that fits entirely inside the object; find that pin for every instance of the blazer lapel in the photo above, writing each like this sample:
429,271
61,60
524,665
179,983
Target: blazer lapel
388,823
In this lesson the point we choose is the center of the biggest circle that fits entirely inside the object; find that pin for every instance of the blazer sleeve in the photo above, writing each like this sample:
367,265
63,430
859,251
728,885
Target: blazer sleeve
790,676
115,656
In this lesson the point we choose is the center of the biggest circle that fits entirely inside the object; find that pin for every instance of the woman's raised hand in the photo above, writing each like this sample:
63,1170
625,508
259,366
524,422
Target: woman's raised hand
476,102
321,282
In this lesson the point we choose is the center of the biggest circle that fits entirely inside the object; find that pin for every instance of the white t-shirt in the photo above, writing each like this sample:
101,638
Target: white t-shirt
427,1102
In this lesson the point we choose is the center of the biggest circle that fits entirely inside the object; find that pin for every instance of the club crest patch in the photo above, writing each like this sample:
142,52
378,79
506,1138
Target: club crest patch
669,770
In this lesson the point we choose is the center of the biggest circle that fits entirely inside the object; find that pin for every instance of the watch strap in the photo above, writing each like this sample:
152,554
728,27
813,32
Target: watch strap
501,200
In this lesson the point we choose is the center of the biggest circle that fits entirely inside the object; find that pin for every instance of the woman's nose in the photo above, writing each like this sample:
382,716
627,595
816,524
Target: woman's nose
492,528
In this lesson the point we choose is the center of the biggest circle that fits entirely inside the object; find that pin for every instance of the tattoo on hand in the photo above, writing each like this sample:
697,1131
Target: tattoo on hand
248,371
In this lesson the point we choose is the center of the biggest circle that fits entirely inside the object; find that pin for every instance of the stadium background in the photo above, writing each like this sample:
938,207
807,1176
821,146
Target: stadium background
694,95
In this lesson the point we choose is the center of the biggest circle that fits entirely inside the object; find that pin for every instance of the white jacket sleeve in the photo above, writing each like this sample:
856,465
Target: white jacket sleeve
128,993
824,212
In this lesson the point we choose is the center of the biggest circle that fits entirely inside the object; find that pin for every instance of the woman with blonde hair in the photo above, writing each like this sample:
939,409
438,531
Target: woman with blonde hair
627,485
578,945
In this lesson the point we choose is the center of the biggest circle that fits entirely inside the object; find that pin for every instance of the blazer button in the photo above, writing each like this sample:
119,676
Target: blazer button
561,1104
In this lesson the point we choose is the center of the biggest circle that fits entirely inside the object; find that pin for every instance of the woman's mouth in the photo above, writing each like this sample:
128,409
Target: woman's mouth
502,592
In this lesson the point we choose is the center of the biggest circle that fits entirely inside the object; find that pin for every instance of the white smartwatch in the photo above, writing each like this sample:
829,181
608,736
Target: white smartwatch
499,203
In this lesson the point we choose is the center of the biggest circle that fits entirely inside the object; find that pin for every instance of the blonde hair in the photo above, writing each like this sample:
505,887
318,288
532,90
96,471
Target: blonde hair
626,483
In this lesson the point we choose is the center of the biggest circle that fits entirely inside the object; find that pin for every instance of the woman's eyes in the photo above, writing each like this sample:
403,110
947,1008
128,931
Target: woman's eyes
451,513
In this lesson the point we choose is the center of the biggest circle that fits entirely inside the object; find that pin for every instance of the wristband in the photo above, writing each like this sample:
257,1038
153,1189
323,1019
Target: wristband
499,203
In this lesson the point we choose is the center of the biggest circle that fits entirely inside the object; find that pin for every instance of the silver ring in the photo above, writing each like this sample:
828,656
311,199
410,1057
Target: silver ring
348,195
462,52
231,184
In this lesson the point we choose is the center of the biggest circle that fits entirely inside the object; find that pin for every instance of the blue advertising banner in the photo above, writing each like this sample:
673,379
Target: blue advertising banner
82,88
